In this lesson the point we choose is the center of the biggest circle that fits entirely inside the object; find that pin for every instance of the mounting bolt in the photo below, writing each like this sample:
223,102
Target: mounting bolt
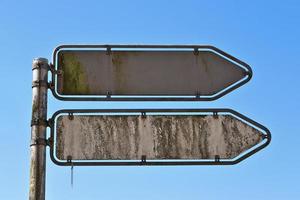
196,51
69,159
71,116
143,159
108,95
215,114
108,50
144,115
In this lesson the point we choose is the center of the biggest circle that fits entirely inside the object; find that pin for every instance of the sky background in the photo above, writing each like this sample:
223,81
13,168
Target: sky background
264,34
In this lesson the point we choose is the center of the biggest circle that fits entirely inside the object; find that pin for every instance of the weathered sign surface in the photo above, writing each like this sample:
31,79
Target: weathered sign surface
154,72
156,137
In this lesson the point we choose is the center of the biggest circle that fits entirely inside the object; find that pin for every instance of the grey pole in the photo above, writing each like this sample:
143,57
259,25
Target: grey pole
38,129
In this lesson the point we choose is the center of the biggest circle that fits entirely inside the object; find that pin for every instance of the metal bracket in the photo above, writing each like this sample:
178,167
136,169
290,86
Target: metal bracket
217,158
49,141
108,95
215,114
51,85
70,116
53,70
69,159
108,50
198,95
50,122
143,114
42,141
143,159
196,51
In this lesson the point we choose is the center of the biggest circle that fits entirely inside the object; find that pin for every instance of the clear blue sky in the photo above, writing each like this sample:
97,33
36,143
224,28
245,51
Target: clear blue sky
265,34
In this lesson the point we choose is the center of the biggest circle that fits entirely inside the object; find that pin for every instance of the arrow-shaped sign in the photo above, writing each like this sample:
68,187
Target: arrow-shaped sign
145,72
154,137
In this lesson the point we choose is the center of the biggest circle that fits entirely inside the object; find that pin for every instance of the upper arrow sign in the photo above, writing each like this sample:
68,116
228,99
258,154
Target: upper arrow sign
145,72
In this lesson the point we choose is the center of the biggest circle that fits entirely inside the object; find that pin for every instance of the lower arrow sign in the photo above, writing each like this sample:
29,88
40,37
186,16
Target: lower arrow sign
154,137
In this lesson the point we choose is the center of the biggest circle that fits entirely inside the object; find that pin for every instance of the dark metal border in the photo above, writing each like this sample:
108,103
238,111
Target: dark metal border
266,136
152,97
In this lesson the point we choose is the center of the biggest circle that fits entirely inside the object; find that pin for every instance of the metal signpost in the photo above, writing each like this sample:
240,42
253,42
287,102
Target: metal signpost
38,129
130,137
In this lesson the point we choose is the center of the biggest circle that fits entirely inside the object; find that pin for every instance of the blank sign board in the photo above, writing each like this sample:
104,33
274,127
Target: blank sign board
154,137
142,72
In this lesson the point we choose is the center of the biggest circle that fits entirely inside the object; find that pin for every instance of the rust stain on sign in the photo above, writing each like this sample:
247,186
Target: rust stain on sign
97,137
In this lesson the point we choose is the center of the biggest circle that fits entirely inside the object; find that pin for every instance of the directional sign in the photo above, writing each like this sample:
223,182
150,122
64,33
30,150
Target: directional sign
120,72
128,137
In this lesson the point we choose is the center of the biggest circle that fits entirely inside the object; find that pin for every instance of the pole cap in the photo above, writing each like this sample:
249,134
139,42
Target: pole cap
39,63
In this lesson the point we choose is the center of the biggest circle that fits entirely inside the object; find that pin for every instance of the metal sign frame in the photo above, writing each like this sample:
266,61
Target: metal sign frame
108,97
217,161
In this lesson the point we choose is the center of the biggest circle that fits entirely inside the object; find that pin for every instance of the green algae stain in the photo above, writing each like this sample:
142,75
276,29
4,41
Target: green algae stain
120,78
74,76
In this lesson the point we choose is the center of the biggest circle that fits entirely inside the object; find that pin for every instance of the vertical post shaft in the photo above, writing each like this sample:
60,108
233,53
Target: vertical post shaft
38,129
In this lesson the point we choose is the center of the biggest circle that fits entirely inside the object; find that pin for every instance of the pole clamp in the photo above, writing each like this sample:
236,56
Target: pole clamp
40,83
40,65
38,141
41,141
40,122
